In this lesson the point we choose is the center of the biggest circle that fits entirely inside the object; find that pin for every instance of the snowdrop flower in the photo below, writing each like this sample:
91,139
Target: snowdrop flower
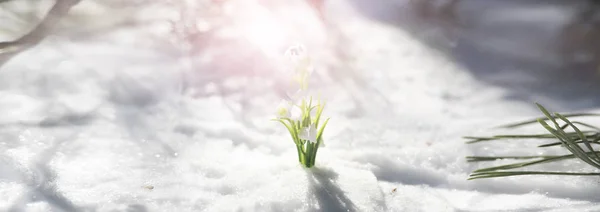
287,109
296,96
296,53
309,134
299,114
301,65
283,110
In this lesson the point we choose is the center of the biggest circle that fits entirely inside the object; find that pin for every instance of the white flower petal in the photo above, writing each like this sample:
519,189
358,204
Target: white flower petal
283,110
297,96
296,53
295,113
309,133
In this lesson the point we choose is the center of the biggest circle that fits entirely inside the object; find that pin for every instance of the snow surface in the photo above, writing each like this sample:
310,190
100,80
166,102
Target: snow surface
113,124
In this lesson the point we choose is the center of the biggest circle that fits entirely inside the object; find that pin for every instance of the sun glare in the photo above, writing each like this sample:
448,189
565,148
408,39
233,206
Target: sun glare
265,32
261,28
274,28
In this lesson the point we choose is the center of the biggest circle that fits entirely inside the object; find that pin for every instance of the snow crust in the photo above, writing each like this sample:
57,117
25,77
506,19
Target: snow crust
108,125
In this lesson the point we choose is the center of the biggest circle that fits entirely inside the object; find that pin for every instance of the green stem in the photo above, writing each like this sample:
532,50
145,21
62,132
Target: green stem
300,154
309,151
314,154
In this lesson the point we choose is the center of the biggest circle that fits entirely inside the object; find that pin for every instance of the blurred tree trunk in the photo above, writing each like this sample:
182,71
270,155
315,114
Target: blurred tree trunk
12,48
580,39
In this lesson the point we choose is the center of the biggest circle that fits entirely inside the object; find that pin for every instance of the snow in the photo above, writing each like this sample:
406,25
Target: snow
114,124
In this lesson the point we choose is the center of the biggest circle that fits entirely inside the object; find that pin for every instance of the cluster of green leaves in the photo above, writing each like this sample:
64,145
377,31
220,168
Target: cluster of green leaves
572,141
307,143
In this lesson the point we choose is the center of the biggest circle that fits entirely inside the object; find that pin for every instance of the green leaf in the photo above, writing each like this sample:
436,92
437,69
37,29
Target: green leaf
320,109
290,129
320,132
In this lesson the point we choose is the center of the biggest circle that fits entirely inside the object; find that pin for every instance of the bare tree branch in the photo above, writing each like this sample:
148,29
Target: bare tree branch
10,49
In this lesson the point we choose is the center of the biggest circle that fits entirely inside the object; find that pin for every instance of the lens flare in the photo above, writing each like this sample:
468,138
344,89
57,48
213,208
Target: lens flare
263,28
274,27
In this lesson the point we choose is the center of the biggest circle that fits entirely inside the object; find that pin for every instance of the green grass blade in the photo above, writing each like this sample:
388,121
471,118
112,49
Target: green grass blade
595,157
586,125
578,151
320,109
493,158
570,140
524,164
576,141
533,121
291,129
320,132
564,140
548,116
524,136
568,143
517,173
478,139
